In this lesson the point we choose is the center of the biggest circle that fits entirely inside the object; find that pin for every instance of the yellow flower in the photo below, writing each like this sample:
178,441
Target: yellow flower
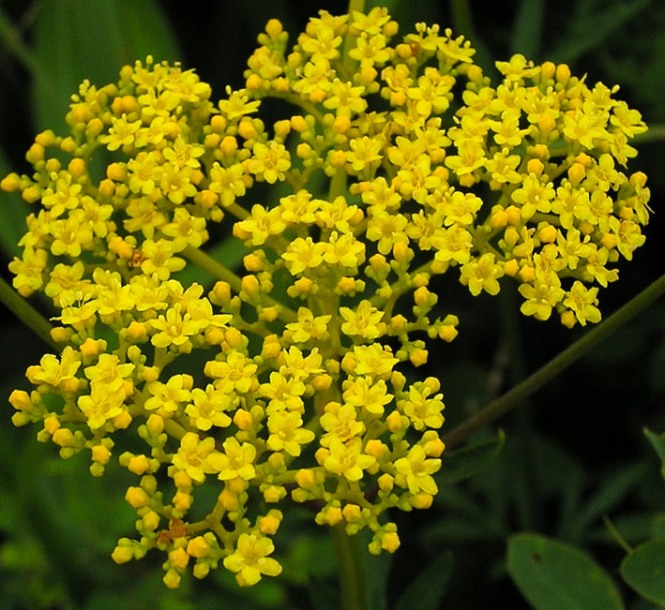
582,302
364,155
287,433
233,374
308,326
482,274
269,161
250,560
261,225
423,407
541,297
303,254
374,360
167,398
399,161
364,321
340,423
363,393
56,371
192,456
227,182
102,404
236,461
347,459
208,408
174,328
415,471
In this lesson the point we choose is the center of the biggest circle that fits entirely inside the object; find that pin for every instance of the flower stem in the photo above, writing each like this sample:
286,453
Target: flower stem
221,272
554,367
209,264
27,314
356,5
351,568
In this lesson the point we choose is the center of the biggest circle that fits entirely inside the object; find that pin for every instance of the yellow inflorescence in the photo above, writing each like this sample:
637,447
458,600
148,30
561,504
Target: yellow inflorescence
300,390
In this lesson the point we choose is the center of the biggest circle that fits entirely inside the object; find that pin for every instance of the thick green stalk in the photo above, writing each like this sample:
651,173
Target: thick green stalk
348,549
554,367
351,568
356,5
27,314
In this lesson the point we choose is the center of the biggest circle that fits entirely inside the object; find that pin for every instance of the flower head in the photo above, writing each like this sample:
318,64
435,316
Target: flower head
284,372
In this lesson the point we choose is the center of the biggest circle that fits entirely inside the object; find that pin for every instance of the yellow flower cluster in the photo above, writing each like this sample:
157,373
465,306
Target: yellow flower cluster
399,163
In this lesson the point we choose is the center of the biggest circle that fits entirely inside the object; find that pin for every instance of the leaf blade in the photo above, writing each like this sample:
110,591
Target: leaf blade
556,576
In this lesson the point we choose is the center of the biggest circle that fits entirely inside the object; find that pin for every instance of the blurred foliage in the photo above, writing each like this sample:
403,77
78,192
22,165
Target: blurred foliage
573,465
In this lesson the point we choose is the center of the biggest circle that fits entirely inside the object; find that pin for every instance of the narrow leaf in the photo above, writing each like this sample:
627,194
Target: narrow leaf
464,463
13,212
617,487
555,576
528,28
591,24
427,589
92,40
658,442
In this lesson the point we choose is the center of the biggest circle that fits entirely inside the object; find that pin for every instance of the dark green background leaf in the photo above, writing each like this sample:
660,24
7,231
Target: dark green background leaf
644,570
556,576
426,591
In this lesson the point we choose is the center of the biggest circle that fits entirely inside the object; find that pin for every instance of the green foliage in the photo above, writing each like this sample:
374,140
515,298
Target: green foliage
428,588
644,570
557,576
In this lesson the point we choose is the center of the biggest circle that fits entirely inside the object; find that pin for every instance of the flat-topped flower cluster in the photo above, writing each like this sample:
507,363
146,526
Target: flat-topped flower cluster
287,379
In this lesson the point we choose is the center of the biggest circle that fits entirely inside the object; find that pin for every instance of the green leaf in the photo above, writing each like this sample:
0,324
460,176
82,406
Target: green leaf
658,527
556,576
427,589
644,570
13,212
463,463
528,28
592,22
618,485
75,40
658,442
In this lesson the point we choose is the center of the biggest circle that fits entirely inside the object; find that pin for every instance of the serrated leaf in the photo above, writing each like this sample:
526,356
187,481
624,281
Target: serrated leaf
428,588
644,570
556,576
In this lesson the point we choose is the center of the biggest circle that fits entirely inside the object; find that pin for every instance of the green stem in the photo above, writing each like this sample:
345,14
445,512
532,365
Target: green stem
356,5
11,39
221,272
656,133
209,264
616,534
351,567
27,314
554,367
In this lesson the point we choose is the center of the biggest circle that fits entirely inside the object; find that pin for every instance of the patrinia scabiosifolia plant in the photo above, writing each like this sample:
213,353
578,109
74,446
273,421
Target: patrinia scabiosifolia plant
397,161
